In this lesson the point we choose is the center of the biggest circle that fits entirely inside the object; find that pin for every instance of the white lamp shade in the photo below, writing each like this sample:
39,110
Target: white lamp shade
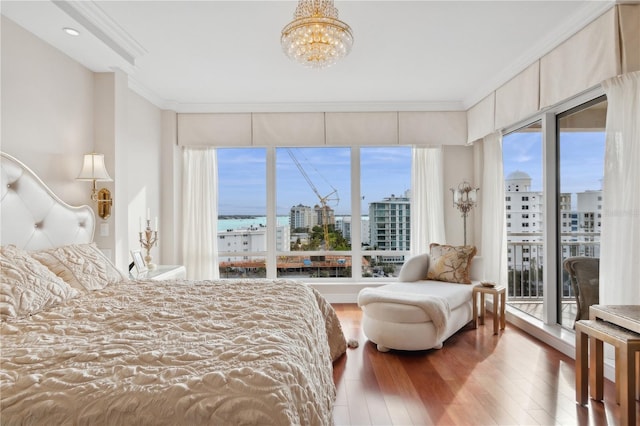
93,168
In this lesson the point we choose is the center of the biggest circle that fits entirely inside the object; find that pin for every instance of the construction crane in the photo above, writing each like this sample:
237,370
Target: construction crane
332,196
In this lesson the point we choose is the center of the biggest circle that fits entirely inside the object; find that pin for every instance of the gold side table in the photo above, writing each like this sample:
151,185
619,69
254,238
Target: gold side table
499,294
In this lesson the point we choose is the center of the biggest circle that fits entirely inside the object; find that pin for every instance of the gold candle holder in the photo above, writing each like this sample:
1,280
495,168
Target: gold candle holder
148,239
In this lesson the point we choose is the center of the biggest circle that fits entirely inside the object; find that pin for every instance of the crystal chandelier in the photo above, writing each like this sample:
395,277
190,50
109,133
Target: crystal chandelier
316,37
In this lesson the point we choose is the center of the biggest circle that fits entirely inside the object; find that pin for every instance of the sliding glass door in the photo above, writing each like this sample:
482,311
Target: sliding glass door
553,198
581,137
524,204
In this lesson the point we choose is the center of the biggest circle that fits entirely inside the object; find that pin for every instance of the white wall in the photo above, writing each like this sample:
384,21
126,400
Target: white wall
143,153
458,165
47,111
55,110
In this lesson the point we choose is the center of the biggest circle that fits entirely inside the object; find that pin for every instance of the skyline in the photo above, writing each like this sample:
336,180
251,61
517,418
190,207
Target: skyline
242,175
385,171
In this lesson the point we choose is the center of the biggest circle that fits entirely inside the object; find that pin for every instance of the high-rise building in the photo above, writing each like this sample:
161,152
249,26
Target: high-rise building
321,212
390,223
302,216
579,226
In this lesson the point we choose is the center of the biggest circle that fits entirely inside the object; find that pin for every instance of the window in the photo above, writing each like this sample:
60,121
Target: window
308,230
522,157
577,151
385,181
313,187
581,140
242,205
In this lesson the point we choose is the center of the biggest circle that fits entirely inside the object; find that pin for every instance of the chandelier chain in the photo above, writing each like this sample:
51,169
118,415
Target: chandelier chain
309,8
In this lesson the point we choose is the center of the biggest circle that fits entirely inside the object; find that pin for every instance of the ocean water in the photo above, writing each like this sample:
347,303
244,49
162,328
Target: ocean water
224,224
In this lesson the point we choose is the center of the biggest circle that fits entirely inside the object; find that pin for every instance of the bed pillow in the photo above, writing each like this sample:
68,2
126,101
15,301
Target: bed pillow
82,266
27,286
450,263
414,269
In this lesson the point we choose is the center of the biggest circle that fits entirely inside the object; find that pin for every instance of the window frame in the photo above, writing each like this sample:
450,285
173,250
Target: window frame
356,253
551,191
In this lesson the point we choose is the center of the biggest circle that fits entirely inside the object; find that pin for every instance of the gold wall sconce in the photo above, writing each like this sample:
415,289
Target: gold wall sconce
93,169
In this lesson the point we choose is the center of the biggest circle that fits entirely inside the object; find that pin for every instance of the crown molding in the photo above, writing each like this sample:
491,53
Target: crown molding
165,104
150,95
102,26
589,12
320,107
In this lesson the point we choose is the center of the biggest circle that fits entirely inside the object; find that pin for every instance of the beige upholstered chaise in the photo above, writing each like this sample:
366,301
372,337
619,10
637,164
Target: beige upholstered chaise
415,313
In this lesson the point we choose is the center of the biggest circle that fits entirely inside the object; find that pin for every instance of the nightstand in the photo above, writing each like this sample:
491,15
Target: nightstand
499,301
164,272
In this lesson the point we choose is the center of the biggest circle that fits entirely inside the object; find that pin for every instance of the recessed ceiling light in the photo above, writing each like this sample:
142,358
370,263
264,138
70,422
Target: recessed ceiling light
71,31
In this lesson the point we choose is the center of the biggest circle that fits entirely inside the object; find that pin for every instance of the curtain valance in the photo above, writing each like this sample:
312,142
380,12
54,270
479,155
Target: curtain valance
581,62
608,46
429,128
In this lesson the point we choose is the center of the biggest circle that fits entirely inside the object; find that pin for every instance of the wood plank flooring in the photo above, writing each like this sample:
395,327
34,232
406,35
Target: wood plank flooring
475,379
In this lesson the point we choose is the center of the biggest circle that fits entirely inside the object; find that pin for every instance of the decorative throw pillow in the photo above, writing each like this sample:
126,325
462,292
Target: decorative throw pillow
450,263
82,266
414,269
27,286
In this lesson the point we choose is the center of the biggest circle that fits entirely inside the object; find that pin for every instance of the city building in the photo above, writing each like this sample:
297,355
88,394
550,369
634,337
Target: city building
390,223
580,225
322,212
249,240
302,216
344,223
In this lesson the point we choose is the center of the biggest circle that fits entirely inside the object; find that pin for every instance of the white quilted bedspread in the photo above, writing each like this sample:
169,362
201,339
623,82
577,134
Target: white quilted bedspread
171,353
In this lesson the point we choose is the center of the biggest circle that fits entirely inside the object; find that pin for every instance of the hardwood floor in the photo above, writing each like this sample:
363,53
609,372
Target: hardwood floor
475,379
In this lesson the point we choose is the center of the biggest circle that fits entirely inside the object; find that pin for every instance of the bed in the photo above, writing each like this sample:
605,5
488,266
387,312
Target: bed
416,313
81,344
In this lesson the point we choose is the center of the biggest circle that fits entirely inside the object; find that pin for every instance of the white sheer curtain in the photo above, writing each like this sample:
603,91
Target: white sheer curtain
493,247
427,201
200,218
620,241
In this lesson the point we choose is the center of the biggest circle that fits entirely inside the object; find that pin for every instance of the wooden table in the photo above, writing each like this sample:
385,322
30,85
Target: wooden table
628,317
499,302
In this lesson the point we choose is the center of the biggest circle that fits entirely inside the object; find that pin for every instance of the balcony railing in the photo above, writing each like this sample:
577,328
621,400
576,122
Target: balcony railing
525,262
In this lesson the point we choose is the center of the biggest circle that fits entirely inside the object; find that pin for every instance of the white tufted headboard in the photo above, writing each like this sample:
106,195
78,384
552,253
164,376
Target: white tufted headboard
32,217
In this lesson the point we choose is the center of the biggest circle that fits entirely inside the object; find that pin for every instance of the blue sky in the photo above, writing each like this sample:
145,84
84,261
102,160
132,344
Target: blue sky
384,171
581,159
